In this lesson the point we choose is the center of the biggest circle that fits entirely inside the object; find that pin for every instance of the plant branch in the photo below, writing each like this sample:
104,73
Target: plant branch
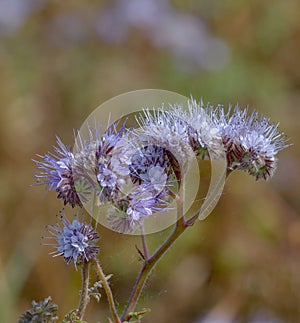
145,245
150,263
84,298
108,291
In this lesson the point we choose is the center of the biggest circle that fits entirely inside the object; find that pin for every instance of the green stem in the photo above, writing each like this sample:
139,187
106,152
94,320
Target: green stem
181,225
145,245
108,291
148,266
84,298
149,263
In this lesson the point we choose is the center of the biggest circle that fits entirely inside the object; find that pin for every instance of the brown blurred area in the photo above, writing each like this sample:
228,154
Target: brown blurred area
60,59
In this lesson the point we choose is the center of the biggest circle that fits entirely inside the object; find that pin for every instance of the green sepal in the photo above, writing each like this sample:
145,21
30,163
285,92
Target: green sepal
135,317
72,317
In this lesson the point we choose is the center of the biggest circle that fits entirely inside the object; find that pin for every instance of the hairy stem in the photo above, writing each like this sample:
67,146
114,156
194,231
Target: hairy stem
108,291
84,297
150,263
145,245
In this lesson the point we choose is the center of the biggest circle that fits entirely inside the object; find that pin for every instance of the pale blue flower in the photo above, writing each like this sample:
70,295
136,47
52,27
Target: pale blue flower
113,155
75,241
106,177
142,202
203,135
251,141
56,170
149,166
164,129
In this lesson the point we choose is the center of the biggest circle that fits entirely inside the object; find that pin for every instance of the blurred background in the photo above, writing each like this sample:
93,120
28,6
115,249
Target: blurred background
60,59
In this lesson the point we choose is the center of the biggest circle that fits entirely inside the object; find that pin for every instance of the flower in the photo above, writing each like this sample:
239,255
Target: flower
143,201
202,134
74,240
120,222
57,172
149,166
44,311
164,129
251,142
113,154
106,177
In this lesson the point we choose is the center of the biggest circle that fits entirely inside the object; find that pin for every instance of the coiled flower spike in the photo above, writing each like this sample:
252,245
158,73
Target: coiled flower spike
57,172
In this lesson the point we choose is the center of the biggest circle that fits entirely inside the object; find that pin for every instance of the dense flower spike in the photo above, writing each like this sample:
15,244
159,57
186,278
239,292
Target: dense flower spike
137,171
144,200
75,241
137,175
141,202
251,142
128,216
113,154
57,172
148,165
164,129
202,133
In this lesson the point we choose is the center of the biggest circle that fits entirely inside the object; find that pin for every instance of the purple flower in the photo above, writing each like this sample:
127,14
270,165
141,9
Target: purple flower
75,241
143,201
149,166
164,129
106,177
202,134
57,172
251,142
113,154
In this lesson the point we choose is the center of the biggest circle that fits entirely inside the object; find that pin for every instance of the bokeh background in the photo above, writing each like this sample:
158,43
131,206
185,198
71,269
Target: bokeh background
60,59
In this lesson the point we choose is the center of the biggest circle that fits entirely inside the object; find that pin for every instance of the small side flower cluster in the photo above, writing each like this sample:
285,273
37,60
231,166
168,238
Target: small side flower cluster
139,170
44,311
75,240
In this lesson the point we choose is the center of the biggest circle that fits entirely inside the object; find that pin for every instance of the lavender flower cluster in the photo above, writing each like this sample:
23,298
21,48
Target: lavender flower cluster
138,170
136,173
75,240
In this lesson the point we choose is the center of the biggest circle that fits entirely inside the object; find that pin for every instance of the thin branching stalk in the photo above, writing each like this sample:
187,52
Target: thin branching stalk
84,297
108,291
145,245
149,264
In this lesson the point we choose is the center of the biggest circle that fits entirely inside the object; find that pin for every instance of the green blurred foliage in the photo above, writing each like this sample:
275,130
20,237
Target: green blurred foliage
244,258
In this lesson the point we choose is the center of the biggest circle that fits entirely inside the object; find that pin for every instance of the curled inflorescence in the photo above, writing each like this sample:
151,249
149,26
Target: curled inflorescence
138,170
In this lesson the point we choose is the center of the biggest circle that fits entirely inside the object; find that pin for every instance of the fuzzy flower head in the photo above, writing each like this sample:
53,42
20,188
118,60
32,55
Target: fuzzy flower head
149,165
143,201
251,142
56,170
113,154
130,212
202,134
163,129
75,241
